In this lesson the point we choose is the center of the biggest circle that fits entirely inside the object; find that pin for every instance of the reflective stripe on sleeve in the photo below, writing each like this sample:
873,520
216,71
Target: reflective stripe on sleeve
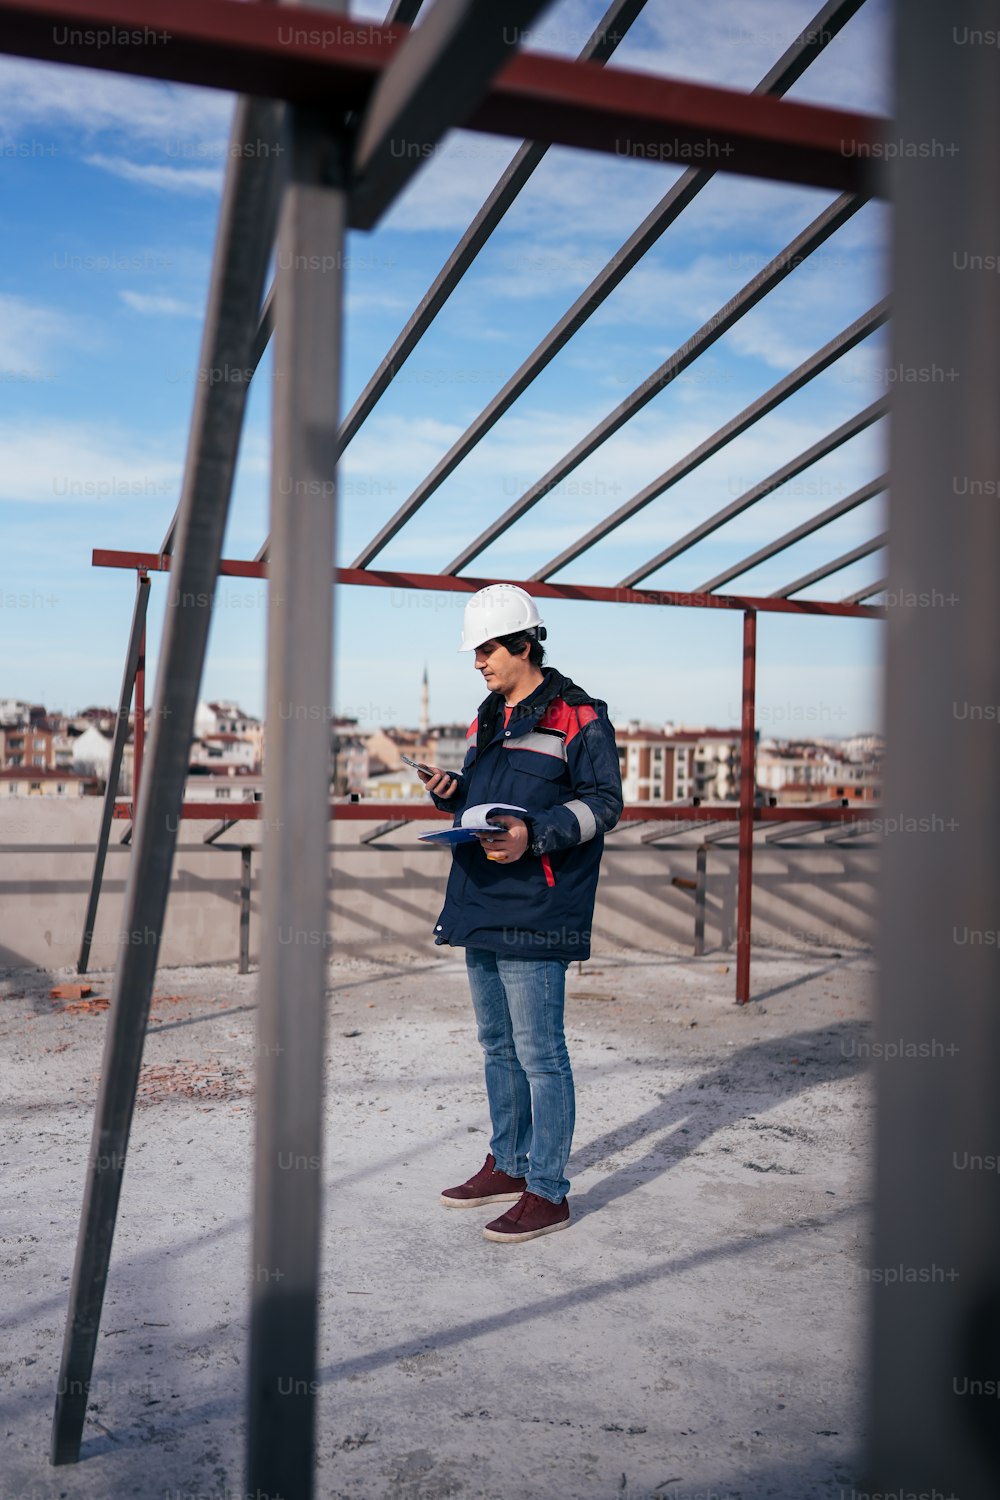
585,818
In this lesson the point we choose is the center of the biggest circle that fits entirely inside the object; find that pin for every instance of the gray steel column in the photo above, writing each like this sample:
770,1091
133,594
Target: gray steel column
935,1421
293,928
243,245
701,873
246,877
111,789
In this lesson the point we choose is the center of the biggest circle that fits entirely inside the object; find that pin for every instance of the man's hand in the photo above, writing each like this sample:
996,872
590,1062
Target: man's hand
508,843
439,782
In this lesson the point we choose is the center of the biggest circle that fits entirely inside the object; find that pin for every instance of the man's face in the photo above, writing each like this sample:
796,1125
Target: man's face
500,670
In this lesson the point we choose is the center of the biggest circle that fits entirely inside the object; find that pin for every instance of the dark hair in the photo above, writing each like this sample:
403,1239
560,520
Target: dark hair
515,642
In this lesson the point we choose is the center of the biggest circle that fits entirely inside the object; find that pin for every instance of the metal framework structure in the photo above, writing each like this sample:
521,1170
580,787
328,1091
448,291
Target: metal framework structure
338,106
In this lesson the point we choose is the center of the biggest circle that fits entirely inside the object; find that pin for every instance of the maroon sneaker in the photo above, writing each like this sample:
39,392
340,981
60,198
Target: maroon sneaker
488,1186
530,1217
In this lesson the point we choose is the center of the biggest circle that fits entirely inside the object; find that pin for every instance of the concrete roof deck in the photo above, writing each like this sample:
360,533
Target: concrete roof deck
698,1329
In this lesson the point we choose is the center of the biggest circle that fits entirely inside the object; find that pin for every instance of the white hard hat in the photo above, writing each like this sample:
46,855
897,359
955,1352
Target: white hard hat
498,609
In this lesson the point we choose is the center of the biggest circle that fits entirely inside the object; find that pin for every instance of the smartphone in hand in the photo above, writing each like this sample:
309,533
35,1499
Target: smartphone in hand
433,778
417,765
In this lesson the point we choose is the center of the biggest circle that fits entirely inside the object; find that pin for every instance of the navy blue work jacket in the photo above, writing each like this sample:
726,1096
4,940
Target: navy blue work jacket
556,757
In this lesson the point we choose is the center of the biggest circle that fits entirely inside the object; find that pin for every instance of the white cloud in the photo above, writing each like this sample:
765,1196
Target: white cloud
32,335
87,465
451,185
737,45
169,179
397,449
172,307
380,301
89,102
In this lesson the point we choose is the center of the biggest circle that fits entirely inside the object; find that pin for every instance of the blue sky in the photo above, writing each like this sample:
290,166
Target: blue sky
111,189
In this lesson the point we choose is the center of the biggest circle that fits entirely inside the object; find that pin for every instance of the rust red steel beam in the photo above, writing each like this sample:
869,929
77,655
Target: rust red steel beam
309,56
107,557
748,788
636,812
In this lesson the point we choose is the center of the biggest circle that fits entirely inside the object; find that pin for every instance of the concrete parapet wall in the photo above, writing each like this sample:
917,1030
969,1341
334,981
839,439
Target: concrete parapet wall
385,897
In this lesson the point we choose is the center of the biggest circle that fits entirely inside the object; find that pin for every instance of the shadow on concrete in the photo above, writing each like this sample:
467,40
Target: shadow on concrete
134,1436
752,1081
793,984
714,1102
577,1296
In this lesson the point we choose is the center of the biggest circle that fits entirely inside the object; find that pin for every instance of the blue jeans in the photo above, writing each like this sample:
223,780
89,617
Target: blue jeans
529,1084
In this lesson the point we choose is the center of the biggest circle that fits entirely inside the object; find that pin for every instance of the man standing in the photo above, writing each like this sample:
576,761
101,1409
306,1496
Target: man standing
521,900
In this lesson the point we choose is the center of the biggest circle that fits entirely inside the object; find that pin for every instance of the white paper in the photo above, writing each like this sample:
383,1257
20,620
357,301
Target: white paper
478,818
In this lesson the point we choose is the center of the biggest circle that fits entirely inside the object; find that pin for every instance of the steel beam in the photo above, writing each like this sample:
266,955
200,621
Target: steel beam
449,583
837,835
139,721
663,816
723,835
798,830
383,828
868,592
242,249
245,49
748,779
402,12
932,1384
843,561
246,877
663,119
807,528
700,899
782,475
657,836
792,812
808,370
432,84
294,951
223,826
786,71
132,656
636,812
248,49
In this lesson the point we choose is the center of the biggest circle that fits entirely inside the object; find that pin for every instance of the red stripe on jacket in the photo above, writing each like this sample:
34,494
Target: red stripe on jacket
559,715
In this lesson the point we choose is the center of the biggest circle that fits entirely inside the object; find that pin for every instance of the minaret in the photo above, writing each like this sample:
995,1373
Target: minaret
425,706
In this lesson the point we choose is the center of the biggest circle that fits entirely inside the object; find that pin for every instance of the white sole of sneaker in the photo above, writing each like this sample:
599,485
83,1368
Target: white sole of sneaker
479,1202
514,1239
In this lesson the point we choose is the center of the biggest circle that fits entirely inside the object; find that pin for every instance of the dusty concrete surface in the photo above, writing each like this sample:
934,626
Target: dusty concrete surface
697,1334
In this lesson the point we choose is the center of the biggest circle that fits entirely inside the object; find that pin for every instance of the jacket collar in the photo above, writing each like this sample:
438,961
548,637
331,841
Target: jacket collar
524,714
530,709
